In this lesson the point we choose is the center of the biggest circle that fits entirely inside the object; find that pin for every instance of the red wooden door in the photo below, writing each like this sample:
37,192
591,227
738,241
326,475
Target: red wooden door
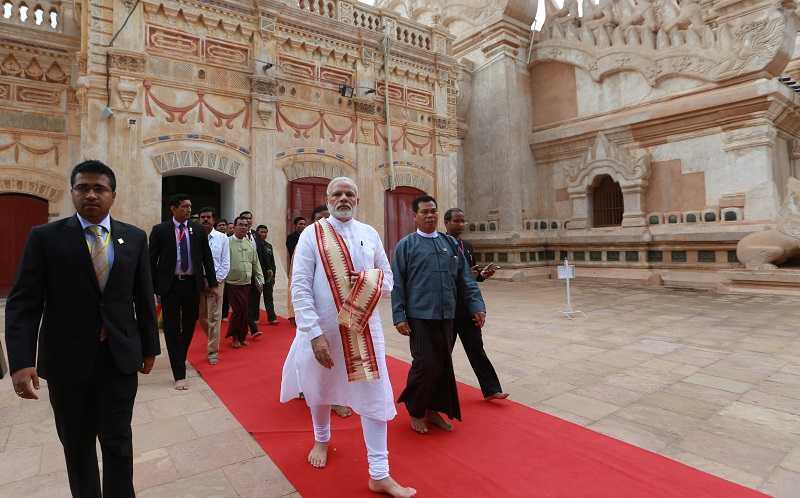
399,216
20,213
304,195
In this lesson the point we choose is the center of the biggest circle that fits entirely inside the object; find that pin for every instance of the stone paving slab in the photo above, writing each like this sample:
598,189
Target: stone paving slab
709,380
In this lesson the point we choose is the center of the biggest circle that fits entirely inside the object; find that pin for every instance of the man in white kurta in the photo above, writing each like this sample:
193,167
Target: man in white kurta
320,360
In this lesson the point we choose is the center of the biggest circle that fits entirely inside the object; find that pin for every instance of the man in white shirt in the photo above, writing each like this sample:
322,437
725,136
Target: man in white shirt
211,303
329,373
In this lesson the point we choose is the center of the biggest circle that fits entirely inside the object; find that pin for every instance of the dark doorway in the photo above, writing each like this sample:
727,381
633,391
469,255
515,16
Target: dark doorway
398,216
202,193
607,203
20,213
304,195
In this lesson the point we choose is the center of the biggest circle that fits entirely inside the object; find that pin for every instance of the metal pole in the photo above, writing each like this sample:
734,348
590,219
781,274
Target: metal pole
386,47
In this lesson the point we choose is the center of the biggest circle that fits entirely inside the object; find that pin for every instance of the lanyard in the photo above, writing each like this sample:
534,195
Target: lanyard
180,234
108,237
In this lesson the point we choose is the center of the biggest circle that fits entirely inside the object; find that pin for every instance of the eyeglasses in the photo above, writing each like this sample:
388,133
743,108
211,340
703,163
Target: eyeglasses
97,189
241,225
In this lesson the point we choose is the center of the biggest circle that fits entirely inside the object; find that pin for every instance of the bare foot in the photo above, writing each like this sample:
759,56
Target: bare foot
342,411
500,395
213,361
181,385
319,455
257,334
245,343
437,420
390,487
236,343
419,425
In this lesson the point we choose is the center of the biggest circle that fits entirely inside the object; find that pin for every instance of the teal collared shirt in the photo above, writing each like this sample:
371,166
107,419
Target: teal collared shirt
429,275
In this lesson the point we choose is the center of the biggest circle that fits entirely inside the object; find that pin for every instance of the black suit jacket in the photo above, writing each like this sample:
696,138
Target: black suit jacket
256,240
291,242
164,256
462,311
57,285
268,261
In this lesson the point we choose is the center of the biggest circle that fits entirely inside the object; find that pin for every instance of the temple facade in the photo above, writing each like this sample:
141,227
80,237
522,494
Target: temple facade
243,105
640,140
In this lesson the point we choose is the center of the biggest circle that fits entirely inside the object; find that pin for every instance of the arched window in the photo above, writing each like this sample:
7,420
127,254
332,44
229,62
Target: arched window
607,203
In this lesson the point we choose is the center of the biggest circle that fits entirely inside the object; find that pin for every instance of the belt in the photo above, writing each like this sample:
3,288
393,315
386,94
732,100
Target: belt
183,277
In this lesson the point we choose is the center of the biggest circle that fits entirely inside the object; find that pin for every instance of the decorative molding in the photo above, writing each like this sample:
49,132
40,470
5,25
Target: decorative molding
263,86
404,138
315,169
18,146
9,185
129,62
189,158
757,136
288,154
198,137
179,112
677,42
322,121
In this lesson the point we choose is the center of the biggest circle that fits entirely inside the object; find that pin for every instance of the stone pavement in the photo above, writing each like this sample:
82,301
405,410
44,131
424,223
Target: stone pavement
707,379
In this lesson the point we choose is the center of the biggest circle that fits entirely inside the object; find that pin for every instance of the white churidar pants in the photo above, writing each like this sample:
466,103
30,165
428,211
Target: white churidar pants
374,437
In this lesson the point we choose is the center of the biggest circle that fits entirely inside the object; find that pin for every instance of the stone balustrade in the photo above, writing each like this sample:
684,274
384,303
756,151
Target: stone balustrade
368,17
41,14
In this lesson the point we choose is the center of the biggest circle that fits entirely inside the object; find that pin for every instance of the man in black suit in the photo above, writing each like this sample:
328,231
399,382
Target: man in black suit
179,258
254,312
268,268
87,279
292,238
463,326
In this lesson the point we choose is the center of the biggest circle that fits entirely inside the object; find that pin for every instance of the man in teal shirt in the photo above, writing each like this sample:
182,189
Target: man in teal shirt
430,273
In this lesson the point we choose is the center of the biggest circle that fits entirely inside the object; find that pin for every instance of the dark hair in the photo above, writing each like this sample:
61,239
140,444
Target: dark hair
422,198
259,227
176,199
448,215
209,210
236,220
93,166
221,220
297,220
318,209
244,213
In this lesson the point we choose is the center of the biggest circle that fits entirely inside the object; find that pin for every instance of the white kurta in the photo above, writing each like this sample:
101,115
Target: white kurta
315,313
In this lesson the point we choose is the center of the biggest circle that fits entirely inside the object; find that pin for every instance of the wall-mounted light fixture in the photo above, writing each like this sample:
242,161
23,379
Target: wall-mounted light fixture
346,91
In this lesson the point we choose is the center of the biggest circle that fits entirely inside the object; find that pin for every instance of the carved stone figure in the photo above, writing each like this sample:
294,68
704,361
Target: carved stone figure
688,14
764,250
641,14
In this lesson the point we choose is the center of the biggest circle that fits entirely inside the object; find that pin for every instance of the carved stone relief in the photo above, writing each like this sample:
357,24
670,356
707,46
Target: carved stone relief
606,158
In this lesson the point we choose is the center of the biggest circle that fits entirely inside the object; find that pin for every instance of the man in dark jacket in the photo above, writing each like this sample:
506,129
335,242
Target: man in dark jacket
463,326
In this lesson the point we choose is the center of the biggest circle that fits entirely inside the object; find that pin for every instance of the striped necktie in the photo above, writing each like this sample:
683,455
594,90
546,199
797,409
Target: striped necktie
99,256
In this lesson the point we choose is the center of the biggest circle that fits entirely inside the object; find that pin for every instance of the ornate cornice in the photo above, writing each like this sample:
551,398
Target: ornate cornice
672,44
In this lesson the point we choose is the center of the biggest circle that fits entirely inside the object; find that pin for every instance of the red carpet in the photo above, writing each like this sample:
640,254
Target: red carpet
501,449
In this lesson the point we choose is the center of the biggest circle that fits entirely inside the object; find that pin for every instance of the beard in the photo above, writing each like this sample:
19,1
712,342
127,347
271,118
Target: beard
342,212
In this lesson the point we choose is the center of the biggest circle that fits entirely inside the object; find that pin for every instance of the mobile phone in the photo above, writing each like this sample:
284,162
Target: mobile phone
495,267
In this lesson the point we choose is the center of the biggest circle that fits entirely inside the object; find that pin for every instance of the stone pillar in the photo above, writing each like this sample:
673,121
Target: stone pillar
633,200
579,197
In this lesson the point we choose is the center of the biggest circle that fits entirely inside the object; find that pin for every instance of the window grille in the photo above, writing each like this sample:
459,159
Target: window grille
607,203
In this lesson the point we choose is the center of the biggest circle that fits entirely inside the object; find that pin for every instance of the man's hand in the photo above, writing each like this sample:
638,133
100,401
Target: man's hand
259,286
474,271
270,275
403,328
352,276
479,318
488,270
148,361
22,380
214,292
322,351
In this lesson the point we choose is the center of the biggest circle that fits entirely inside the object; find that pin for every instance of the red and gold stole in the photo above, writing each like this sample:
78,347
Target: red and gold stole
355,303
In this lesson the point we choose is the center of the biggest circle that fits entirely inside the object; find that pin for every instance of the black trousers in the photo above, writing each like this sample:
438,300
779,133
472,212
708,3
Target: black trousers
472,340
269,305
254,310
431,383
100,409
180,307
